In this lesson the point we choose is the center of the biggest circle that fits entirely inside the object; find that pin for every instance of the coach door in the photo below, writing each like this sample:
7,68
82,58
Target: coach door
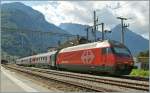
52,60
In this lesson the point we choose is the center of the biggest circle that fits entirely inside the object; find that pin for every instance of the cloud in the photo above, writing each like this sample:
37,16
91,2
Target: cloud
82,12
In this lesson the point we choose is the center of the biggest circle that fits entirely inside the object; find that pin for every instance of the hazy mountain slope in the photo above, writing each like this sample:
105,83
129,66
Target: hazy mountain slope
16,17
79,29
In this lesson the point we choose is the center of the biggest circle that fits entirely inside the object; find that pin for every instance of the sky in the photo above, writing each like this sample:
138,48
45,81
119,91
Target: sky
81,12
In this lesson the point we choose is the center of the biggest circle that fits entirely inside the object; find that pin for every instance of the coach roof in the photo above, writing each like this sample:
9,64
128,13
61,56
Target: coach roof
38,55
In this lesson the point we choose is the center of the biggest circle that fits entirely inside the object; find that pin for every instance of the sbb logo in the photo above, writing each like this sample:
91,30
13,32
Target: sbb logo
87,56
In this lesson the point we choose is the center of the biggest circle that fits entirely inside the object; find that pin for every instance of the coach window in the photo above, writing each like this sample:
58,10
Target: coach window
45,58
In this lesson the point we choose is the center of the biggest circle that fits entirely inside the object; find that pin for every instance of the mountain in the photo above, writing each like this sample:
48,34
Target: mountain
21,30
21,16
133,41
79,29
74,29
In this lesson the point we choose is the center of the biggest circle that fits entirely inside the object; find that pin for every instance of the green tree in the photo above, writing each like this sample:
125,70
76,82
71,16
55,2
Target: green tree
144,54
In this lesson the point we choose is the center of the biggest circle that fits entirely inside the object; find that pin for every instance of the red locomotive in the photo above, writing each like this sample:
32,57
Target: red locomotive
108,56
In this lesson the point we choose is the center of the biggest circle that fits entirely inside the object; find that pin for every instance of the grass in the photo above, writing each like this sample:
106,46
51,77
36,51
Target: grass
140,73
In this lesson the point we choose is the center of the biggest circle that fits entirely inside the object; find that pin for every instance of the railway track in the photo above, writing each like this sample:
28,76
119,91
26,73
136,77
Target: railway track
59,79
134,78
134,85
123,83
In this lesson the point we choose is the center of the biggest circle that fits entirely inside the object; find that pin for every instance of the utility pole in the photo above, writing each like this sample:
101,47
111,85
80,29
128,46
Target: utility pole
87,34
95,27
95,31
102,31
95,24
122,28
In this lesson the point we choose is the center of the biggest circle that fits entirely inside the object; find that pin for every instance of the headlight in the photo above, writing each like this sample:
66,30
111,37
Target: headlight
132,63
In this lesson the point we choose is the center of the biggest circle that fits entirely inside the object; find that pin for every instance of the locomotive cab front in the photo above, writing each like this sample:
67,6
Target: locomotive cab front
123,59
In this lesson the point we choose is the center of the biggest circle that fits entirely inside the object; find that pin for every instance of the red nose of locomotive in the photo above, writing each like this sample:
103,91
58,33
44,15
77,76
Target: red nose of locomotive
124,60
124,65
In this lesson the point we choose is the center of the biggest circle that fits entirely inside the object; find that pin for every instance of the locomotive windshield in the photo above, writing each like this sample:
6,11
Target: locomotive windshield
122,51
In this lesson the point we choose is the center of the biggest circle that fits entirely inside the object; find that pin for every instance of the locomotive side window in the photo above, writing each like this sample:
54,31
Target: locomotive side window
106,50
109,50
103,51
